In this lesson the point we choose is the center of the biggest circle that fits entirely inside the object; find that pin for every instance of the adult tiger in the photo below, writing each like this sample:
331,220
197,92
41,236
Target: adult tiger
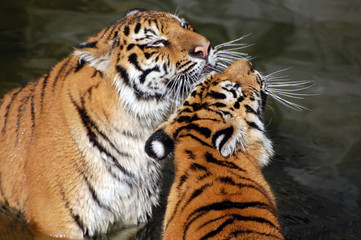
72,143
219,145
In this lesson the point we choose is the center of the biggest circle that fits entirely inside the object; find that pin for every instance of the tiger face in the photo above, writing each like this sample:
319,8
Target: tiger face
235,99
150,57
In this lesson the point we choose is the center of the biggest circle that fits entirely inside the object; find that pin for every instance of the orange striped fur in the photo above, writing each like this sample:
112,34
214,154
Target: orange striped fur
72,154
219,145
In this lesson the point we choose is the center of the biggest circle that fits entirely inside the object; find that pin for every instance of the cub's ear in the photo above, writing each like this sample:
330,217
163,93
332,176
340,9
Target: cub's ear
228,140
159,145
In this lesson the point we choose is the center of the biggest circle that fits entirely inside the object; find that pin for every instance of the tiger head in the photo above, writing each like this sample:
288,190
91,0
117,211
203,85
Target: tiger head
150,57
224,112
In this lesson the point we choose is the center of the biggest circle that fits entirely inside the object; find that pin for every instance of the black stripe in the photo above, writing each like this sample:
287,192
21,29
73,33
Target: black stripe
142,46
232,90
195,194
236,105
42,95
202,130
227,132
148,55
220,206
133,60
219,105
239,217
94,194
20,114
179,66
123,74
89,125
227,180
195,106
157,24
218,229
32,112
80,65
190,155
126,30
146,72
231,220
165,69
63,67
32,108
182,180
183,119
195,138
86,45
250,109
137,28
189,68
77,219
211,159
224,205
6,116
110,35
197,166
242,233
216,95
97,72
130,46
185,110
175,209
256,186
254,125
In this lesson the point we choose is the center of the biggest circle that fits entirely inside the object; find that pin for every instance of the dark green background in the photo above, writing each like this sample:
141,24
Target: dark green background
316,171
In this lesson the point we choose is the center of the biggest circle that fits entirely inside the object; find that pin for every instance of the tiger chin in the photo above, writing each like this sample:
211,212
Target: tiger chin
219,145
72,156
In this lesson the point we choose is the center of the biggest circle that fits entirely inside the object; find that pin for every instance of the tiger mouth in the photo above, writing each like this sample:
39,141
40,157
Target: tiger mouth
207,69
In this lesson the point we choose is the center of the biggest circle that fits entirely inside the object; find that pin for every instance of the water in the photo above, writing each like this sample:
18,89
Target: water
315,173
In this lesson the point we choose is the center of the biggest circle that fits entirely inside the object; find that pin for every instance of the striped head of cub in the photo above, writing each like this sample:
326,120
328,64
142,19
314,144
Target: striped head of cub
72,156
219,145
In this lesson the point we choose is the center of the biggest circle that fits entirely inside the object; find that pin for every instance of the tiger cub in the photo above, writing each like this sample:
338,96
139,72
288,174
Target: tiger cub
219,146
72,143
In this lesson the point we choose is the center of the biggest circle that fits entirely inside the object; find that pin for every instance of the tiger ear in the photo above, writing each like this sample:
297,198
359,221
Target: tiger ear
228,140
159,145
96,53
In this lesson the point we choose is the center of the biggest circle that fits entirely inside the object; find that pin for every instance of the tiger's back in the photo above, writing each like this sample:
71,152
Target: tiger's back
219,191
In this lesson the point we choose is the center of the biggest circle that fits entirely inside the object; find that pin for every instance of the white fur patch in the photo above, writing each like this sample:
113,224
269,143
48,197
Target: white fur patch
236,141
158,148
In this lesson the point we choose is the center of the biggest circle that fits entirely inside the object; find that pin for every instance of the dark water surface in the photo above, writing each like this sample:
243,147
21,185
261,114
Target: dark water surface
316,173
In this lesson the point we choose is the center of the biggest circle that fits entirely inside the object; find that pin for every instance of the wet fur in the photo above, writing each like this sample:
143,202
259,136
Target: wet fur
72,154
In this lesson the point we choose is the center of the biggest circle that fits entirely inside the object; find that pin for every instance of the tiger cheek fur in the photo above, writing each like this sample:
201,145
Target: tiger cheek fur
220,145
72,153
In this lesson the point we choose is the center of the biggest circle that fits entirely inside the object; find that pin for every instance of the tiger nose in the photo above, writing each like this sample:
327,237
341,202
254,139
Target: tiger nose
201,51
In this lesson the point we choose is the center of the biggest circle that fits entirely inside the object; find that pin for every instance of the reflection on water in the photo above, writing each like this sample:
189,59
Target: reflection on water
315,173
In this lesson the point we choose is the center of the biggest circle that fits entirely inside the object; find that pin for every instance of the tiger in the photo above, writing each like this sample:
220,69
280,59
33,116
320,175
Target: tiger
72,156
220,145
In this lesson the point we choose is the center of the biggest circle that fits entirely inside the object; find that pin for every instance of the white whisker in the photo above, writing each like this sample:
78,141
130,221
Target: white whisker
231,42
231,53
276,72
281,87
287,103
